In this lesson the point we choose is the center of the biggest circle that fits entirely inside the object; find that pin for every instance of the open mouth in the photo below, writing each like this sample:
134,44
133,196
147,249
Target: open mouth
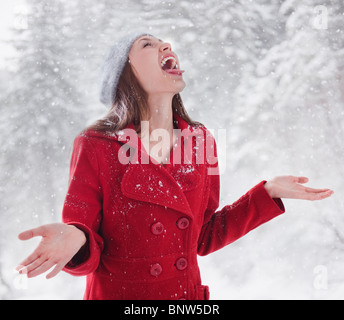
169,65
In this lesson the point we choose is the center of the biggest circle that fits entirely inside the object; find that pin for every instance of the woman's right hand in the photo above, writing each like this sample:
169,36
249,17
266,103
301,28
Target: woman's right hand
60,242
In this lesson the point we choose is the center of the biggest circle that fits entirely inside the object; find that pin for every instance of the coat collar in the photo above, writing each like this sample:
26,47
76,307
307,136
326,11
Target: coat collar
188,131
150,181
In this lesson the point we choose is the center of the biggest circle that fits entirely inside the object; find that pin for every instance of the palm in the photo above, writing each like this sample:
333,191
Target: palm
291,187
54,239
59,244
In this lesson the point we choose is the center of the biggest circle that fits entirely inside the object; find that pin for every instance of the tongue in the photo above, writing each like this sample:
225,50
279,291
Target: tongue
171,67
174,71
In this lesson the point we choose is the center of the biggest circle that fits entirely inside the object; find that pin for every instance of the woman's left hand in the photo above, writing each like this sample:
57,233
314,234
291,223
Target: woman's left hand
290,187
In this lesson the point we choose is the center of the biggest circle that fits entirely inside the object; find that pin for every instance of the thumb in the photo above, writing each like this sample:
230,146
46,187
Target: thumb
28,234
302,180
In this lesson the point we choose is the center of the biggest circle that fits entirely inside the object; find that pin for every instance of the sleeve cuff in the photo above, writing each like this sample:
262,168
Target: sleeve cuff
86,260
267,206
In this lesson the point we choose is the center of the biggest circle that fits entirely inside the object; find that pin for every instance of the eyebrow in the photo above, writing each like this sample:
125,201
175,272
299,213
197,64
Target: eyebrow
145,39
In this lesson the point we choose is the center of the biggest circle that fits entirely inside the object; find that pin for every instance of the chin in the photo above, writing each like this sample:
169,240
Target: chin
180,86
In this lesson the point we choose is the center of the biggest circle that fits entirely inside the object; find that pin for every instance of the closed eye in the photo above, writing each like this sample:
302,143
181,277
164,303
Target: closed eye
147,44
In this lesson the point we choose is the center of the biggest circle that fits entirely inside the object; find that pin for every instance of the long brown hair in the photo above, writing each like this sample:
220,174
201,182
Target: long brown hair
131,106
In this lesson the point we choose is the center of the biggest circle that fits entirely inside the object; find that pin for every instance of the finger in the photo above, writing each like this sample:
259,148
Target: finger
303,195
56,270
18,267
21,269
45,266
35,264
319,195
28,234
31,258
312,190
324,195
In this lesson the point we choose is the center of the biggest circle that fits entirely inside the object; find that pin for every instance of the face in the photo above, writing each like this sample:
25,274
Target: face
156,66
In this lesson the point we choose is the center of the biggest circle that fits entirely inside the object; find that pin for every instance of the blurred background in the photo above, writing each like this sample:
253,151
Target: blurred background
268,73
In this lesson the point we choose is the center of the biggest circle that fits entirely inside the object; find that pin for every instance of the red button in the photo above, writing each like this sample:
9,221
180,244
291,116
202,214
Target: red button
155,269
157,228
183,223
181,263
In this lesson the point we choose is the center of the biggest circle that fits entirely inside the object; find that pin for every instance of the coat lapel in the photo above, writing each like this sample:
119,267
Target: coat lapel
149,181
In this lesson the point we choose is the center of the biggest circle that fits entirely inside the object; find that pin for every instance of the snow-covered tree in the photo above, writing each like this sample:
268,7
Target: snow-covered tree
38,119
270,72
293,97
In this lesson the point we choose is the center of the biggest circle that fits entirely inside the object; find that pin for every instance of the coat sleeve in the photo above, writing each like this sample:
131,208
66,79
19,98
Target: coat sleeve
222,227
83,206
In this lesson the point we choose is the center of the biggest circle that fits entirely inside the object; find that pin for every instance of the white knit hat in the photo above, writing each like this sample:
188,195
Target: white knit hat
113,67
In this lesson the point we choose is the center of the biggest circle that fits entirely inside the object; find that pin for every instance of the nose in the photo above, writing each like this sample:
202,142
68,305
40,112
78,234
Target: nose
165,47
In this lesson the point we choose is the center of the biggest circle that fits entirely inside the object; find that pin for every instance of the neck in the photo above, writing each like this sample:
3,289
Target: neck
161,112
159,125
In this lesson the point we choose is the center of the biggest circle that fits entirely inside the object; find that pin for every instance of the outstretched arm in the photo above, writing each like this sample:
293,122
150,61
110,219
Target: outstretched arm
259,205
73,246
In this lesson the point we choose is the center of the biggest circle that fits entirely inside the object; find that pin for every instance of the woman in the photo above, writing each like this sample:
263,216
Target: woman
139,210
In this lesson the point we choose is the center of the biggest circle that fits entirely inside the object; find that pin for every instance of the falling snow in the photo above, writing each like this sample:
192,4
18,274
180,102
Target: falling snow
269,72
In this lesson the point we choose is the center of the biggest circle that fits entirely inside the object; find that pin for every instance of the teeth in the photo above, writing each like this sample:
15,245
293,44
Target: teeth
174,62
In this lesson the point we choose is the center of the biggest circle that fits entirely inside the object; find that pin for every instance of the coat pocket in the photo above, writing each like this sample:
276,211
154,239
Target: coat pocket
202,292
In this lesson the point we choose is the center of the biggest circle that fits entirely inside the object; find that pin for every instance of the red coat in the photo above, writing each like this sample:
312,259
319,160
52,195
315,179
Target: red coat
146,223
